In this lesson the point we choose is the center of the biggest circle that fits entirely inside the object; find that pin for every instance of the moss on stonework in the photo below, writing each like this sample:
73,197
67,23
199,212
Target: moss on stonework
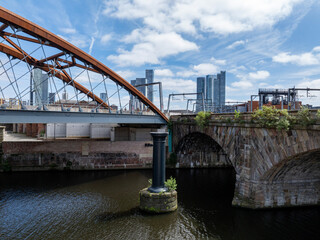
152,209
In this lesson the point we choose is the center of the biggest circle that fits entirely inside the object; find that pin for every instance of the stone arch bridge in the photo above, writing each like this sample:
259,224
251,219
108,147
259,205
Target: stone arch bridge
273,168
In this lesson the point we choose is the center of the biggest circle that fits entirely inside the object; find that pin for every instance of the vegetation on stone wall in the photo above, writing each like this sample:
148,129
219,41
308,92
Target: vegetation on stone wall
202,119
171,184
270,117
318,113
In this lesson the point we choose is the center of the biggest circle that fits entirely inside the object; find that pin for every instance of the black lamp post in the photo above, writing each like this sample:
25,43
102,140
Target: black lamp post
158,165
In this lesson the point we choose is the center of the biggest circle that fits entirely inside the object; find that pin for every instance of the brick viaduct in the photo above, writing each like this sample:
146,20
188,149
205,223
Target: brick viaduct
273,168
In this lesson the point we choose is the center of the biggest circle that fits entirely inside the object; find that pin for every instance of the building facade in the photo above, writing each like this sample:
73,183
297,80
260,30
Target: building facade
40,87
150,78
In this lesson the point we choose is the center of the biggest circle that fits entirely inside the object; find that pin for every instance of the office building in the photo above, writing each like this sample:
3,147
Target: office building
103,96
52,97
201,88
150,77
219,89
40,87
65,95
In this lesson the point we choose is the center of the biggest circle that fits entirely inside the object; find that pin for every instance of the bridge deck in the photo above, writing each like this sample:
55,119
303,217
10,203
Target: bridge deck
28,116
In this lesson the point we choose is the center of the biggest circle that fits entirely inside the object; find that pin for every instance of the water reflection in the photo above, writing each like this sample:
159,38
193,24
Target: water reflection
103,205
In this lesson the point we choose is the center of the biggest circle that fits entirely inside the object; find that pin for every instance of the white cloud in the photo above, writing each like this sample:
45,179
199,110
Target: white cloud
205,68
242,84
259,75
218,16
105,38
236,44
152,48
218,61
178,85
126,74
316,49
163,73
304,59
68,30
91,45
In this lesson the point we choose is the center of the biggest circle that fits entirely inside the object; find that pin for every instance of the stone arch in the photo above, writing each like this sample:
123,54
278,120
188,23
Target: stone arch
294,181
200,150
299,167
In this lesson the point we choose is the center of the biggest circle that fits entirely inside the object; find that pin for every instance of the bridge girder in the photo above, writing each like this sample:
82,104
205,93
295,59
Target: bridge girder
37,34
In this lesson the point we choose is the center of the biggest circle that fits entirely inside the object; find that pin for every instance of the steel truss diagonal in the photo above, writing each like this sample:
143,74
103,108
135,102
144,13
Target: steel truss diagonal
34,59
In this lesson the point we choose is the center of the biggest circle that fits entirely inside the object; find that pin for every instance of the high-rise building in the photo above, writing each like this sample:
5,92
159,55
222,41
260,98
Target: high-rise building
40,86
52,98
219,89
150,77
142,89
65,95
201,88
103,96
209,88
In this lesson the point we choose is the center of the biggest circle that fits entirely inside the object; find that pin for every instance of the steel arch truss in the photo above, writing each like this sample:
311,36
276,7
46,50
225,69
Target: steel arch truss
68,70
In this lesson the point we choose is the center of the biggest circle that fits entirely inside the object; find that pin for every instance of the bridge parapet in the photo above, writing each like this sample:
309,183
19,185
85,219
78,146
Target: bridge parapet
273,168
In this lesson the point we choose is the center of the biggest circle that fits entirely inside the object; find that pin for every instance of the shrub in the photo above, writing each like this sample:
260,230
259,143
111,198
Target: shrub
237,115
202,119
171,184
271,117
318,113
304,117
267,116
150,182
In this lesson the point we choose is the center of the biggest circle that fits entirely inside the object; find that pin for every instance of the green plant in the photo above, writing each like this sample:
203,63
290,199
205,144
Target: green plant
267,116
42,132
304,117
202,119
237,115
270,117
150,182
283,124
171,184
229,120
318,113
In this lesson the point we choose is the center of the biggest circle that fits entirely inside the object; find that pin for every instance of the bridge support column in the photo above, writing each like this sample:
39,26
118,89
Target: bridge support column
265,194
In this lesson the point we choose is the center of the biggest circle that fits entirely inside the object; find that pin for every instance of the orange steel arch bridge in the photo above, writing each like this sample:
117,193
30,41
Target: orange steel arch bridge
44,78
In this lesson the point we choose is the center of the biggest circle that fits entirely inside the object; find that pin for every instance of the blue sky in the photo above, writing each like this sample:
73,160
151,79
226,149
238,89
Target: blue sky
260,43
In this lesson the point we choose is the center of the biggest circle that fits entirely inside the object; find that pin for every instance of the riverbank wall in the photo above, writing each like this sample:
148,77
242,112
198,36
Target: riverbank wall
77,154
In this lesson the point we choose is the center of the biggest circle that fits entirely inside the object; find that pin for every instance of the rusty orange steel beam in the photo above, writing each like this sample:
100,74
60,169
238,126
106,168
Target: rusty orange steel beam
66,78
73,63
37,31
25,38
3,27
55,56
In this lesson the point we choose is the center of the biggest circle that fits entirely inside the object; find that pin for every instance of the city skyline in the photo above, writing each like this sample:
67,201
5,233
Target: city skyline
274,46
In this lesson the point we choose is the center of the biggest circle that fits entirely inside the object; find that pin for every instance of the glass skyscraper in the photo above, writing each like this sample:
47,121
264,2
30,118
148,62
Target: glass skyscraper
149,77
201,88
213,88
40,86
219,89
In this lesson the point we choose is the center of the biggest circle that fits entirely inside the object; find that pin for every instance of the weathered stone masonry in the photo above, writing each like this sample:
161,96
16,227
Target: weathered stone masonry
273,168
77,154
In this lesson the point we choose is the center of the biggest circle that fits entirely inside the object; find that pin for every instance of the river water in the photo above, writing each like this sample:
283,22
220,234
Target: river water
103,205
